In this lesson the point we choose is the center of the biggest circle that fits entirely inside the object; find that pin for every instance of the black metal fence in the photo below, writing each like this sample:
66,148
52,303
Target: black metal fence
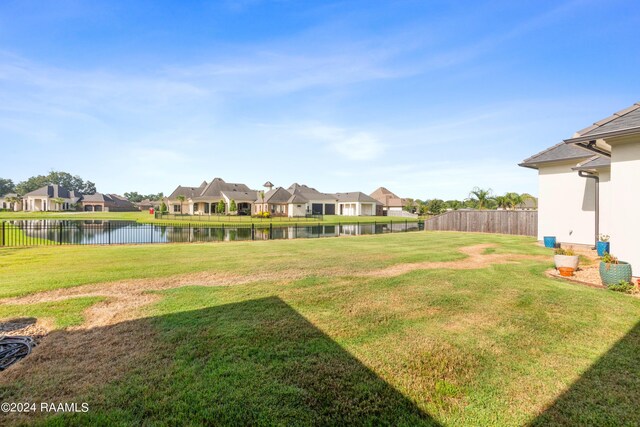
77,232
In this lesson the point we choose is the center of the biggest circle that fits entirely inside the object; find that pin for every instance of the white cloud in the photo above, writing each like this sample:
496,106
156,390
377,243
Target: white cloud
359,146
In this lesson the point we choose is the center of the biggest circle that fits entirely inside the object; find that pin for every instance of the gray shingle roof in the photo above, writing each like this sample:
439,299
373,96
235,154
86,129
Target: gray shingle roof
297,198
187,192
54,191
241,196
557,153
212,190
355,196
629,118
309,193
595,162
97,197
276,195
217,186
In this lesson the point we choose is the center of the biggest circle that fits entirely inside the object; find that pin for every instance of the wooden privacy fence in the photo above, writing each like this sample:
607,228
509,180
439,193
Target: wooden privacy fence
523,223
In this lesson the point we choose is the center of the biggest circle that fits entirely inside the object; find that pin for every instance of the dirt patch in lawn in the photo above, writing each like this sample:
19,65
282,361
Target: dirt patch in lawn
476,258
123,298
29,326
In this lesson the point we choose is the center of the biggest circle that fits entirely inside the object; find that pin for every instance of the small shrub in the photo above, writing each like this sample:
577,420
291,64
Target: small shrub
603,237
568,252
266,215
622,286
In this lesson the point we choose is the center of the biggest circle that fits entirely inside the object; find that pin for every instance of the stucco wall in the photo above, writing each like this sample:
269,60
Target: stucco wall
298,209
367,209
566,205
625,189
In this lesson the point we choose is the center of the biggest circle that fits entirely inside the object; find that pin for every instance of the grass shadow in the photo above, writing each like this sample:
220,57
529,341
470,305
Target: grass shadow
606,394
257,362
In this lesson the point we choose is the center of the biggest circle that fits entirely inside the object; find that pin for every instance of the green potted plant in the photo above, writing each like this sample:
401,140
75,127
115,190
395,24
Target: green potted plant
603,244
612,270
566,258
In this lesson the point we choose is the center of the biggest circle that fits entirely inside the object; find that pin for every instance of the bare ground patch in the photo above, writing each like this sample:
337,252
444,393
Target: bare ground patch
122,298
476,258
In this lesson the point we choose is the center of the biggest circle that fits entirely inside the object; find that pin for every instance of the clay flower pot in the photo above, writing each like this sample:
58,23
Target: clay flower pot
566,271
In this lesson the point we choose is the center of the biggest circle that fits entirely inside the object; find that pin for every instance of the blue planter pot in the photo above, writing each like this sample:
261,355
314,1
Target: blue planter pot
612,274
549,241
602,247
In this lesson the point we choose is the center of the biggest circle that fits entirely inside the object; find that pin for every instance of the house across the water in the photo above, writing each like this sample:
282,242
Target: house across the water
54,197
297,200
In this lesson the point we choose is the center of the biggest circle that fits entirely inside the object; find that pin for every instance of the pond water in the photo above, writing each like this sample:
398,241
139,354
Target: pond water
79,232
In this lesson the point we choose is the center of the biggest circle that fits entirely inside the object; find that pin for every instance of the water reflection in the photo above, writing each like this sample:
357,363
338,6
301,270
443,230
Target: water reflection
100,232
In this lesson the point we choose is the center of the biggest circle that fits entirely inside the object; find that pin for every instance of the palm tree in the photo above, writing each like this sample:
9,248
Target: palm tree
514,200
58,201
14,200
262,201
502,202
182,199
480,197
527,196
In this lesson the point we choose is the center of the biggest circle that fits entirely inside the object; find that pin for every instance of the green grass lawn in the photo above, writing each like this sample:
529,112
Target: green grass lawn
501,345
145,217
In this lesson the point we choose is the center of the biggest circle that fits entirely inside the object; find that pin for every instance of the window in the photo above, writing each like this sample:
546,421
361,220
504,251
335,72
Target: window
176,208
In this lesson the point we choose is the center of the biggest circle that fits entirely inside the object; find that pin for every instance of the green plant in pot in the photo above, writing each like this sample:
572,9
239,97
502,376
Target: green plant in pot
565,258
612,270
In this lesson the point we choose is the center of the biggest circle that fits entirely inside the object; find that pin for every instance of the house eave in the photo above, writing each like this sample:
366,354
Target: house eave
586,139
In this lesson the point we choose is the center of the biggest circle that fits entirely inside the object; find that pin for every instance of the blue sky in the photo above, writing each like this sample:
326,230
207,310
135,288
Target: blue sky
427,98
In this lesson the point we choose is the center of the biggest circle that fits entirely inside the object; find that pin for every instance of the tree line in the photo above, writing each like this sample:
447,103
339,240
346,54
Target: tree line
478,198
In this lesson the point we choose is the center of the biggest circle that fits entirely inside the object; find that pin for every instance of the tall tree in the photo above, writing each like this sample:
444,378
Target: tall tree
436,206
409,205
65,179
6,186
134,196
88,188
454,204
32,184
